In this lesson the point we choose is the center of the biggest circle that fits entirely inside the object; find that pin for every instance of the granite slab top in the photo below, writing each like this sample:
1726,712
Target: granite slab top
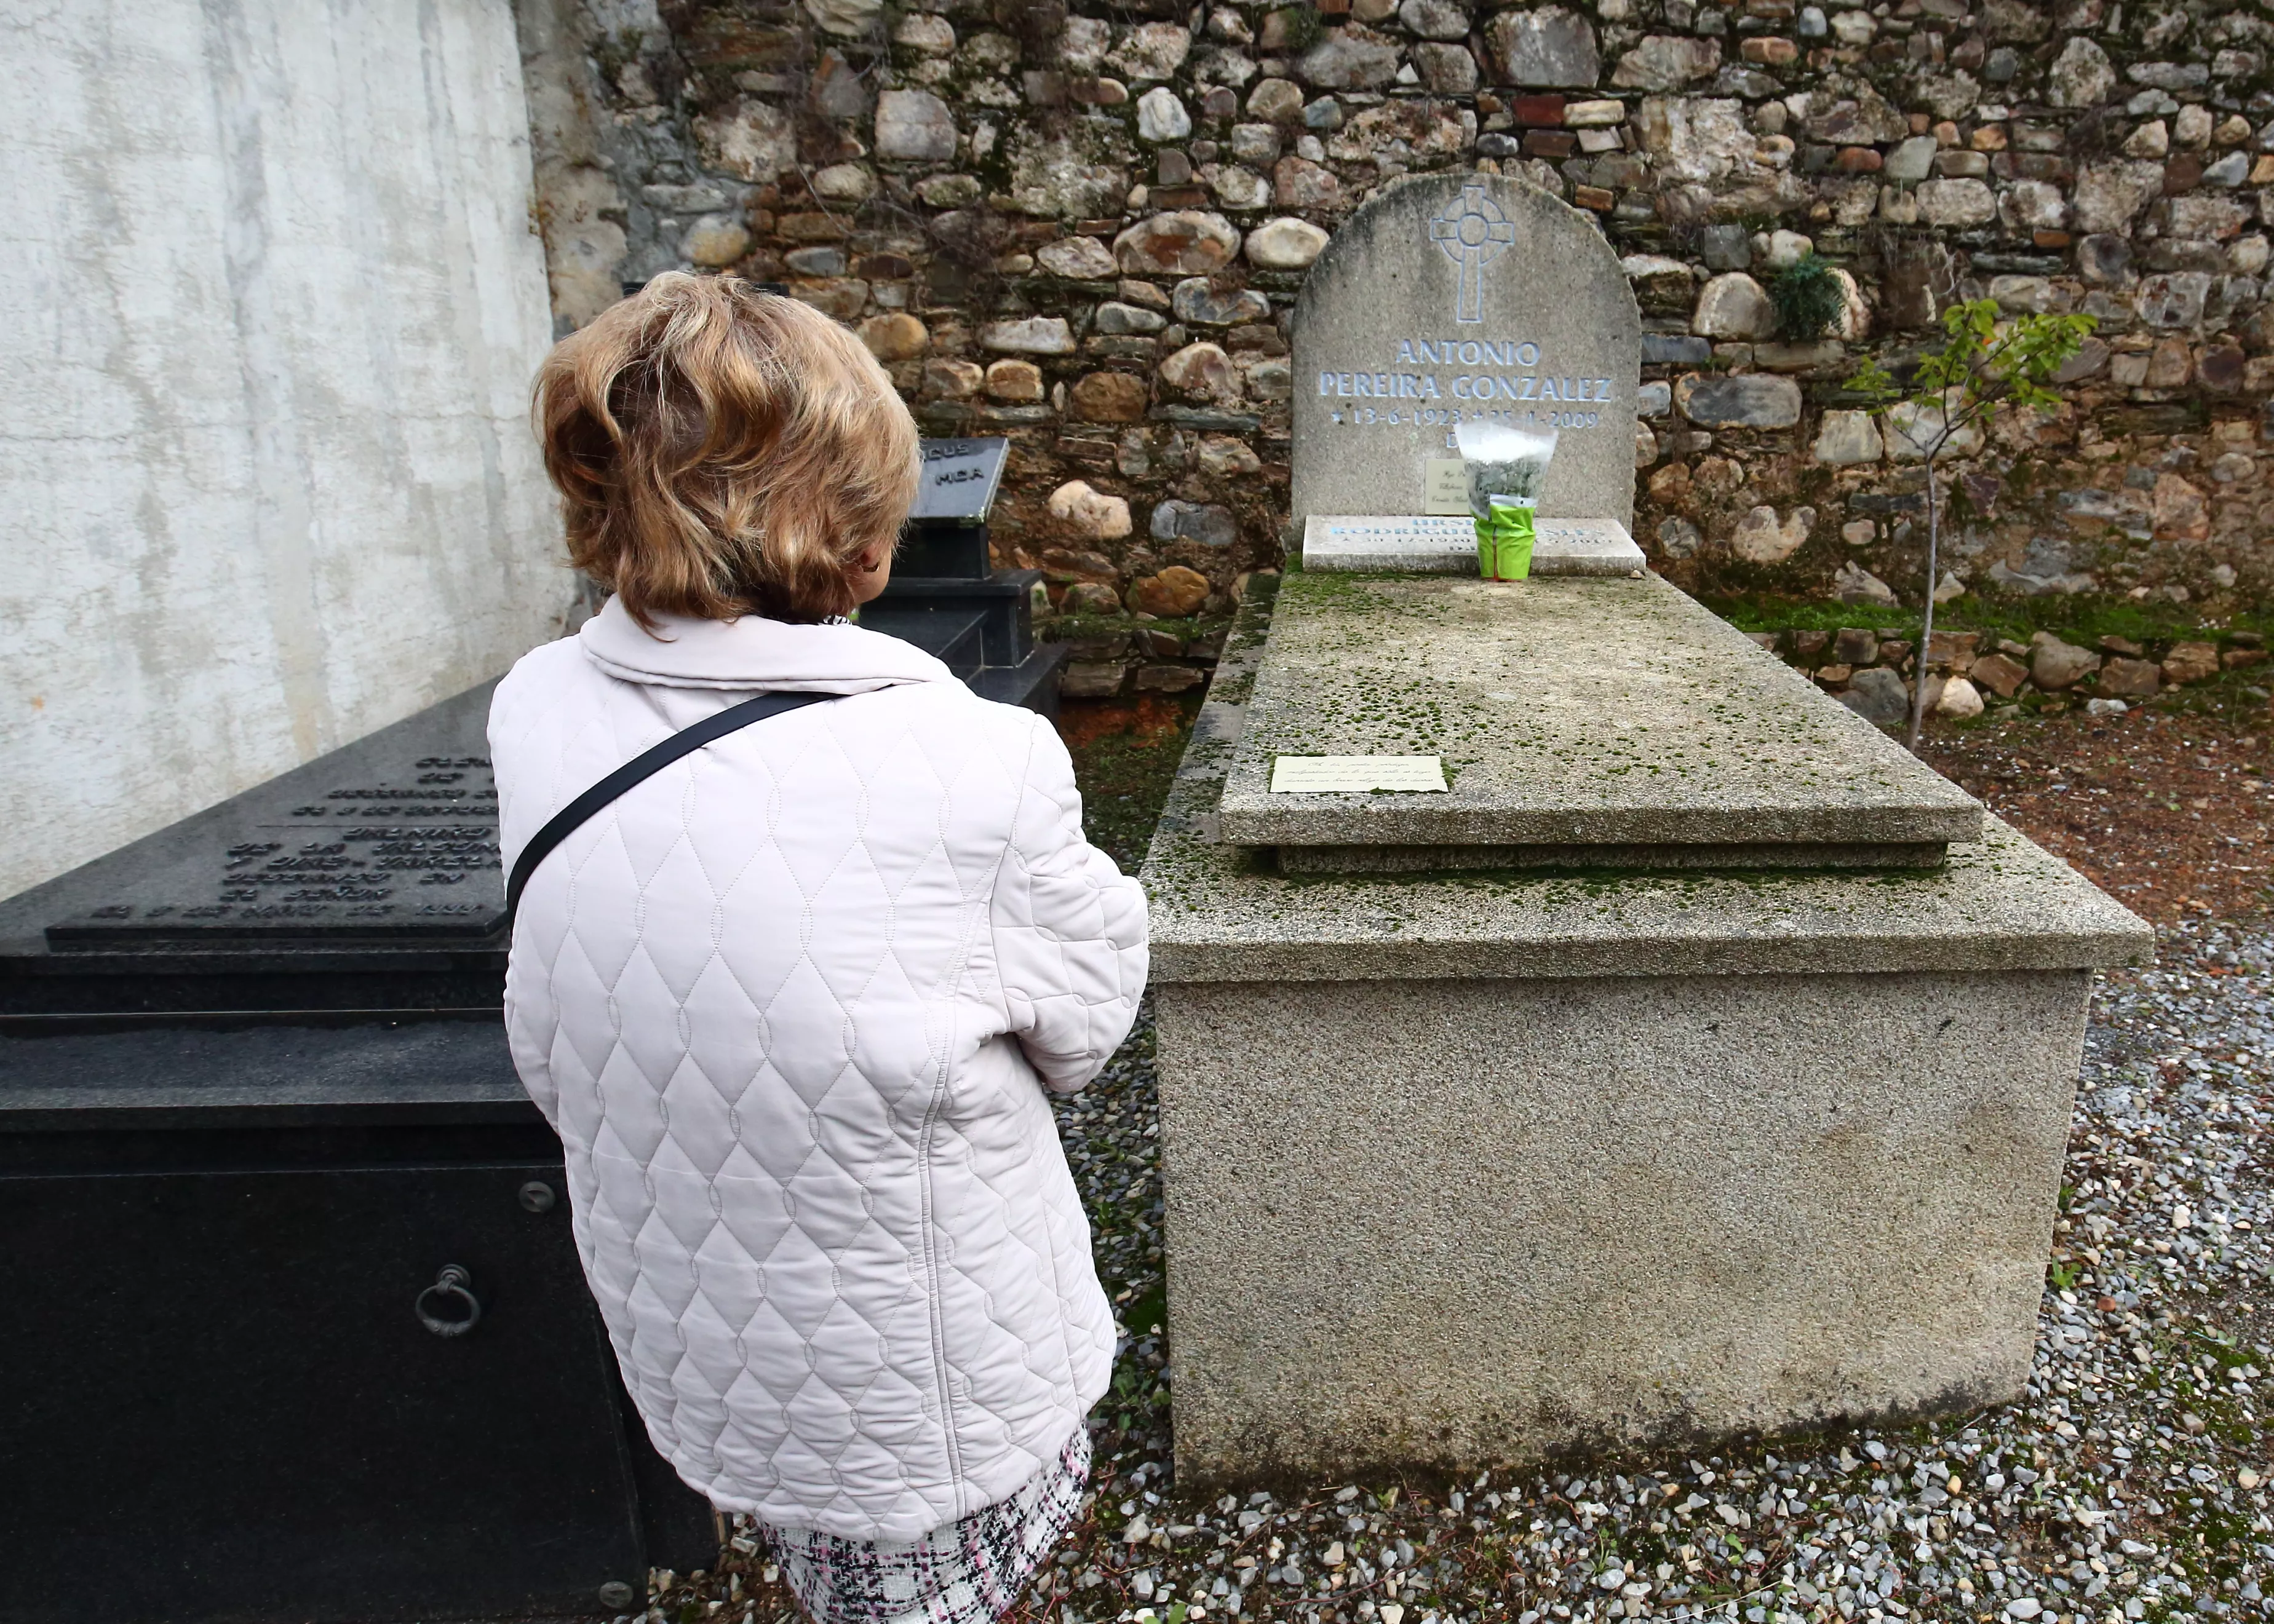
1434,544
1570,711
388,841
1220,912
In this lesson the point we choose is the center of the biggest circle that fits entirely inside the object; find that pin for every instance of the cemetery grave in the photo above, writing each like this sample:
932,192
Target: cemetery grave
278,1205
1650,889
945,595
2180,1062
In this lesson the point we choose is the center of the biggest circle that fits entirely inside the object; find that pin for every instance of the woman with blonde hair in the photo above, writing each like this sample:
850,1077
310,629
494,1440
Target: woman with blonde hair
794,990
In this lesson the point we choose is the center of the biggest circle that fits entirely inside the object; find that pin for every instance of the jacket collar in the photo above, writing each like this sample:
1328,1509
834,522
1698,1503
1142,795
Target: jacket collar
752,652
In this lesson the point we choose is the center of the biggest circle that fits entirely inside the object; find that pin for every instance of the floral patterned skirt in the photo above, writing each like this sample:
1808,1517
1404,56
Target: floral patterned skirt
969,1572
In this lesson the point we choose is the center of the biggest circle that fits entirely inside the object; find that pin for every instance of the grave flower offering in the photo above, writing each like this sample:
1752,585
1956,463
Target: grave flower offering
1506,469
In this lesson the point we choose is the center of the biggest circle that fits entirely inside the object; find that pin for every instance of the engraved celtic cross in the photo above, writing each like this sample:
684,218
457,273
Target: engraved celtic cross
1474,233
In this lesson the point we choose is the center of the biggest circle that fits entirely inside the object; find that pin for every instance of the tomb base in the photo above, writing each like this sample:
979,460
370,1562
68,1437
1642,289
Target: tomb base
1472,1170
1460,1222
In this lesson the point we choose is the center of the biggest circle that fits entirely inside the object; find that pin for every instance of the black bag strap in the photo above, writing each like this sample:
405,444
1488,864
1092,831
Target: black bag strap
645,764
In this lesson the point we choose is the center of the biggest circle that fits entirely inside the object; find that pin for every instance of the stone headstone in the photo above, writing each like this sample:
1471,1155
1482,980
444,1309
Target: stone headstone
945,537
1452,298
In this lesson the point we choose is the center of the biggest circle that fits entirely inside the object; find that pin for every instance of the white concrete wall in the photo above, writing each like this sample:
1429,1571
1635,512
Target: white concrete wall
271,296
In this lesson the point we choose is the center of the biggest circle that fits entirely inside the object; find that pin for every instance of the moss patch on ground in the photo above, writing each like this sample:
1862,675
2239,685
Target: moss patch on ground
1125,758
2080,620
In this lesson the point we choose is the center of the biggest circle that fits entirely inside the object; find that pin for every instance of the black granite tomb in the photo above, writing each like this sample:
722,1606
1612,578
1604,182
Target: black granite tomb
946,597
947,534
255,1101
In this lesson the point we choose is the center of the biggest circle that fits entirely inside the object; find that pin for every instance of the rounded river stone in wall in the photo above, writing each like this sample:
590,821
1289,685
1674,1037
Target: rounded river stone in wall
1186,241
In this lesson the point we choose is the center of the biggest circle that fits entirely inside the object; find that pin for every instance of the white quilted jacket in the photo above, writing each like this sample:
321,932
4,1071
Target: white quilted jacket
792,1004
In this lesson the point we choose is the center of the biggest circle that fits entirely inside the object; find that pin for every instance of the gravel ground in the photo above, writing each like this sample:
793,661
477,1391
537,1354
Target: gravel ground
2129,1485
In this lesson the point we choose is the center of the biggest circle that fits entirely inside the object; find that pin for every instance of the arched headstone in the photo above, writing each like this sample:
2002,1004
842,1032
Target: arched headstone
1451,296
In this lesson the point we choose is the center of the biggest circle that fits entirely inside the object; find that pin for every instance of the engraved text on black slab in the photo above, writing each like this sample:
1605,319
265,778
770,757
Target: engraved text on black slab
403,855
959,479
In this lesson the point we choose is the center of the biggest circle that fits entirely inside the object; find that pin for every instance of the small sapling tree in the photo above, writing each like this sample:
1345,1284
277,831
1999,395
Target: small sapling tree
1980,366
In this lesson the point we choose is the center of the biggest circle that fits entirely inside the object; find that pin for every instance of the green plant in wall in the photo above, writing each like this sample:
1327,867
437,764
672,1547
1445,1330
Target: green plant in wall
1809,298
1949,392
1301,26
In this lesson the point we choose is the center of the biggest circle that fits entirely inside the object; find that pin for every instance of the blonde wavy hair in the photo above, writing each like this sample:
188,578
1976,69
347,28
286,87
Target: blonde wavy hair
722,451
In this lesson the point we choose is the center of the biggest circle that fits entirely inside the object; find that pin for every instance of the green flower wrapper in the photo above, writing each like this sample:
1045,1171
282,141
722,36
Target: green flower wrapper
1505,543
1506,469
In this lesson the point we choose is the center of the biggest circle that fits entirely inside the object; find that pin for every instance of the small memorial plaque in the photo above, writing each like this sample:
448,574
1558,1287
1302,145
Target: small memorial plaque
958,481
398,839
1298,775
1445,487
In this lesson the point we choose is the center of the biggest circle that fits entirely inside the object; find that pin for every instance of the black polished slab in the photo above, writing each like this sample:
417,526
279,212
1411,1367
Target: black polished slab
945,537
289,897
955,634
244,1129
393,838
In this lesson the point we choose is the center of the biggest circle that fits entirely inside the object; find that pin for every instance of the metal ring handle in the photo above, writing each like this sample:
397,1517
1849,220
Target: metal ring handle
452,1282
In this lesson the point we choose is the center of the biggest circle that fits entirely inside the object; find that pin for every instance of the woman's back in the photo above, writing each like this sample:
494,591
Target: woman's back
794,999
789,1004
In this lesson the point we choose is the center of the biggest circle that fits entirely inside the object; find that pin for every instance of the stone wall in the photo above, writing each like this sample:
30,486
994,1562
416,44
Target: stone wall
1871,669
272,304
1084,229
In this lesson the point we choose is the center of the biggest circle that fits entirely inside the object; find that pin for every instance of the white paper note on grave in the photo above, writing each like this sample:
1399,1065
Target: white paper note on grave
1294,775
1453,299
